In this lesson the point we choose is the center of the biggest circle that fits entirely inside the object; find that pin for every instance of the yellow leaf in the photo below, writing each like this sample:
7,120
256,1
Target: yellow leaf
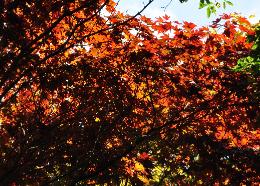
200,182
165,110
139,167
97,119
180,171
156,106
143,179
139,95
147,98
251,16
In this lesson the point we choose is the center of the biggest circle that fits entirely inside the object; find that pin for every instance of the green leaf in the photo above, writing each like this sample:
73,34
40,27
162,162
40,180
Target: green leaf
213,9
202,5
208,11
224,5
255,46
229,2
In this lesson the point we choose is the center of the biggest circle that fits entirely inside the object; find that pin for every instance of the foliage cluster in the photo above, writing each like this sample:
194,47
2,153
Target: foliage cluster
88,98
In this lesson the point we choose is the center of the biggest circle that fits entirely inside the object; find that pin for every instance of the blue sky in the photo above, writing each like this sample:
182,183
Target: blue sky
189,11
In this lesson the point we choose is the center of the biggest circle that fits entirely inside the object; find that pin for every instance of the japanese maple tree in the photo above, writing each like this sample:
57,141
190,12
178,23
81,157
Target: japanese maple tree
92,96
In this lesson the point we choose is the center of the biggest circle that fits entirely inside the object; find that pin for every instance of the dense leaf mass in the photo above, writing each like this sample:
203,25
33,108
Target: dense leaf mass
90,96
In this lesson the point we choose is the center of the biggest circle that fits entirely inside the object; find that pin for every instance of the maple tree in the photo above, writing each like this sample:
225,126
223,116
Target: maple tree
89,97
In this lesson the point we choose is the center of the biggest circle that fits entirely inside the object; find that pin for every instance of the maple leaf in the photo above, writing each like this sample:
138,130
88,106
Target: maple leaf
166,17
188,25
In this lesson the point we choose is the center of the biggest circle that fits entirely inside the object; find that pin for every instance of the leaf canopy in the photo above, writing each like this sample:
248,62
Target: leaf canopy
88,98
